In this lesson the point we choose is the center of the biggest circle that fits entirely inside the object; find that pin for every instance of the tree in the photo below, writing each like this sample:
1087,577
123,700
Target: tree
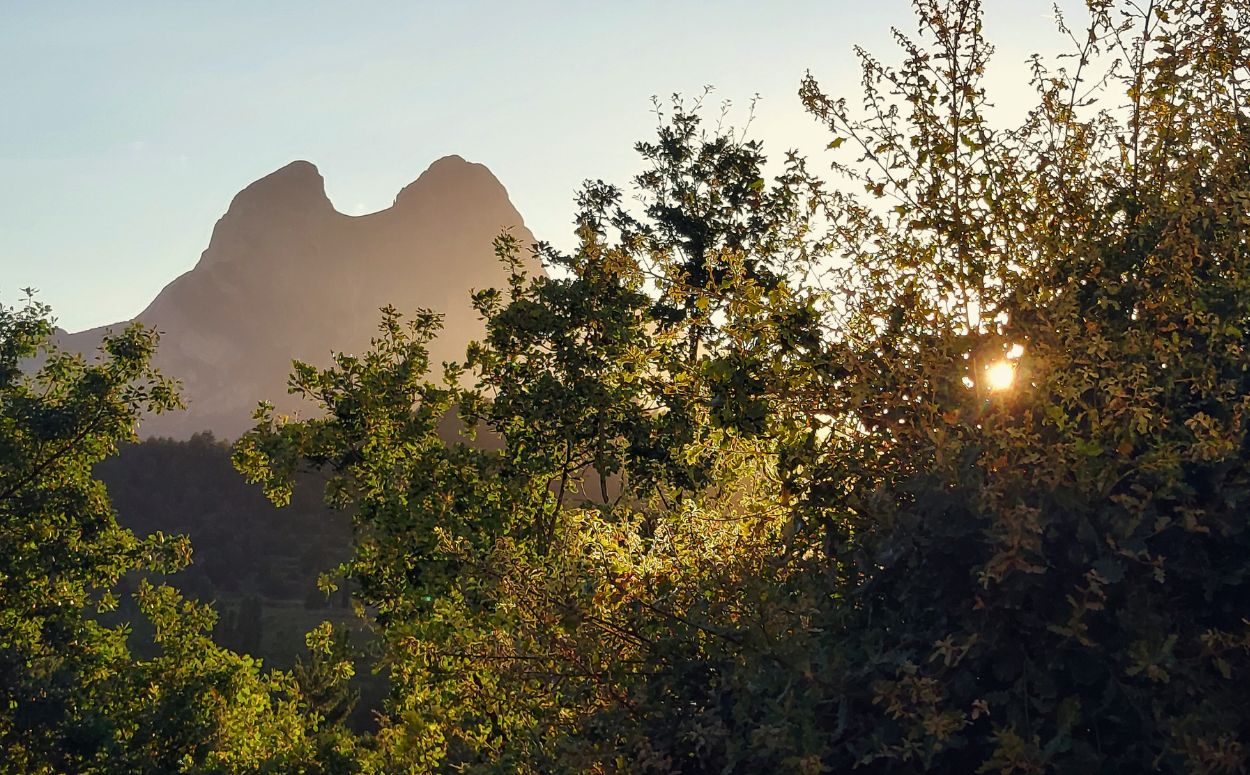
487,568
1044,577
833,541
72,696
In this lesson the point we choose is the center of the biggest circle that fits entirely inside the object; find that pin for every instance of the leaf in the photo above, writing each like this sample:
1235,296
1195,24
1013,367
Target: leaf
1088,448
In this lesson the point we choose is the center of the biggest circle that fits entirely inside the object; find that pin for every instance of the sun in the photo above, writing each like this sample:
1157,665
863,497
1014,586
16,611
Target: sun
1000,375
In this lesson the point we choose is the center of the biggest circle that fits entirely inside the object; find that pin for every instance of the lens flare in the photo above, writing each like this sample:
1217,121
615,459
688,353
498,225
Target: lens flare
1000,375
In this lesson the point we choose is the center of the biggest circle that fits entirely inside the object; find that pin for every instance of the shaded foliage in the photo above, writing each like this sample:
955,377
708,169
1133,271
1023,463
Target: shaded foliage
257,564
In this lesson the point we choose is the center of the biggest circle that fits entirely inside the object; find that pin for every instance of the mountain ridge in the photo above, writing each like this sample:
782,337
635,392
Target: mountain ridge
287,276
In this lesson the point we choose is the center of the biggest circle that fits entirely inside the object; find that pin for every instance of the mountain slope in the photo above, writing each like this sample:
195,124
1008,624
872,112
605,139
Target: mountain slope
287,276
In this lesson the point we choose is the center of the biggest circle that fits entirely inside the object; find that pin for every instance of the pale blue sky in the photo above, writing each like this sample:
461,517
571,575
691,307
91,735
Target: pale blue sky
128,126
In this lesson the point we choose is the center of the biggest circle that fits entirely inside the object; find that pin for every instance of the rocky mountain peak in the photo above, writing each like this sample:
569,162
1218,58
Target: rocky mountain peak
297,186
286,276
450,178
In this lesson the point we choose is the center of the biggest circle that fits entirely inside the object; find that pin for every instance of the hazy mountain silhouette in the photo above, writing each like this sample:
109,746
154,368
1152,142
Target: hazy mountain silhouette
287,276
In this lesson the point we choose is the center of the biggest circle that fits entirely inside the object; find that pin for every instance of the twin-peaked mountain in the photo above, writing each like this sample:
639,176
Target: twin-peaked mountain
287,276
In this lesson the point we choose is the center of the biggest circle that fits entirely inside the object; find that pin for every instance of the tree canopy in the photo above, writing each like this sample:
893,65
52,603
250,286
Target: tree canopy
937,464
73,696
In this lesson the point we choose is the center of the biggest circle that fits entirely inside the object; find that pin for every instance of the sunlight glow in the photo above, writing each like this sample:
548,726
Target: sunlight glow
1000,375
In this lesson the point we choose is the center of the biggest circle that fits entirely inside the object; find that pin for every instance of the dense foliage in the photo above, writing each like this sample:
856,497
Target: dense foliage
765,500
257,564
73,698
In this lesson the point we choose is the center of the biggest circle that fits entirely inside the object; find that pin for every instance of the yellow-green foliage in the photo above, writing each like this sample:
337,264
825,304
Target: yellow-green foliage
72,696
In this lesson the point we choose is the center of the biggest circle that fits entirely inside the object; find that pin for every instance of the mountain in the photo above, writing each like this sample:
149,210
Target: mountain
287,276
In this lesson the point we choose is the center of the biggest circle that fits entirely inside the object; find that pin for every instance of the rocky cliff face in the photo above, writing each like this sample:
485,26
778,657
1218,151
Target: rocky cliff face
286,276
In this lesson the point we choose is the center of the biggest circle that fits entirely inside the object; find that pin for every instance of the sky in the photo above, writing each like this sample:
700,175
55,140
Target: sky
127,127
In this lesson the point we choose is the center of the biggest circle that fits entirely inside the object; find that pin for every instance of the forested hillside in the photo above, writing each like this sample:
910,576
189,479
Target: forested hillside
257,563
